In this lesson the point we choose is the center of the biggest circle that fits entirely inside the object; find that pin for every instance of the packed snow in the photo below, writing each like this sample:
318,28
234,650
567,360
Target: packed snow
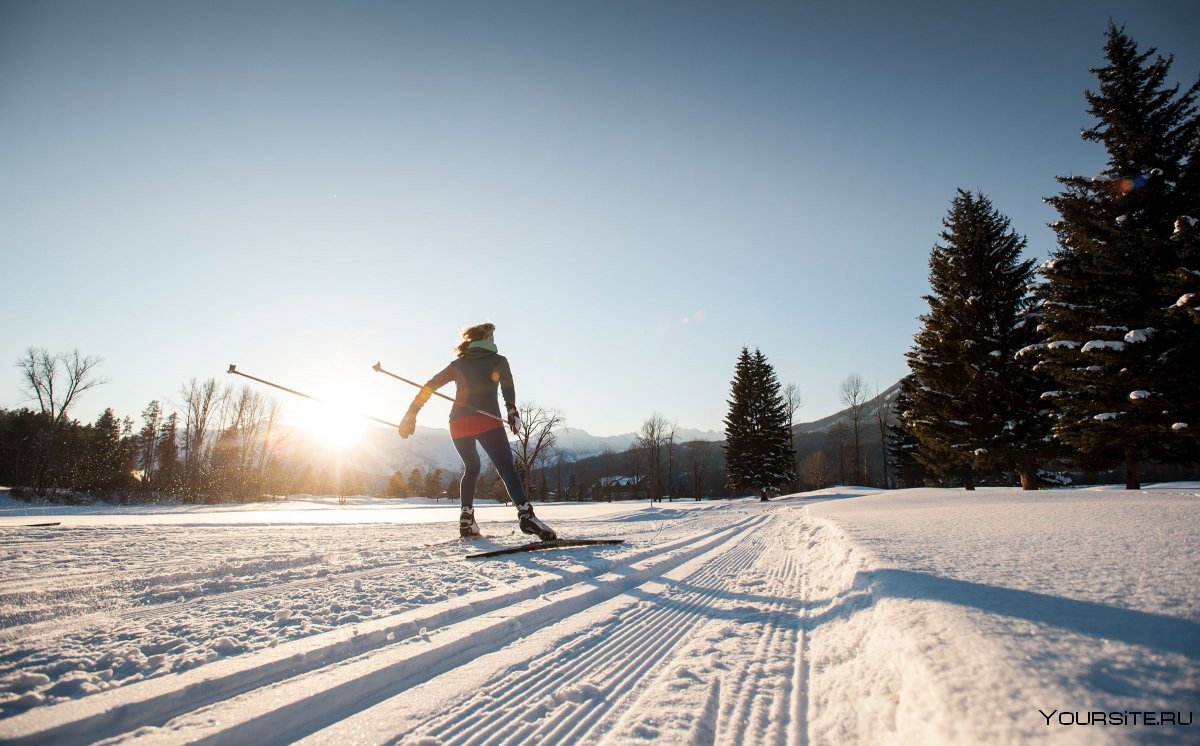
845,616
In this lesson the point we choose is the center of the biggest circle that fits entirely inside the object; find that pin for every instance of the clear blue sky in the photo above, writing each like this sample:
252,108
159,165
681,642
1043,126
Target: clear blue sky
631,191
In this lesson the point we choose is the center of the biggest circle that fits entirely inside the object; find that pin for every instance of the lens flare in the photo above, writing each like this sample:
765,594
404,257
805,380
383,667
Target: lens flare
333,422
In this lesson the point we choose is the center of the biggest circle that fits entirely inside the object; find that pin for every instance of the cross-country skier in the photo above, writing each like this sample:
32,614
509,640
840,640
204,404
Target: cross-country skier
477,371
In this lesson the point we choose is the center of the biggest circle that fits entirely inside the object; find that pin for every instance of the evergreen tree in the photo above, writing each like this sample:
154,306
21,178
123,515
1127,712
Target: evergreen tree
1181,332
902,445
965,373
21,431
108,455
170,472
1030,426
147,441
1112,342
757,454
397,486
433,483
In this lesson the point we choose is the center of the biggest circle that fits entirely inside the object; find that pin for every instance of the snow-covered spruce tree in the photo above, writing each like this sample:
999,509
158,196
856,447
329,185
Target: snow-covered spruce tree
1181,331
968,405
902,445
1114,337
757,451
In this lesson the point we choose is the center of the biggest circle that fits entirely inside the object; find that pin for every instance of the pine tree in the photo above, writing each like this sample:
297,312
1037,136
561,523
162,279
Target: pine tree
170,472
902,445
966,379
757,454
148,442
397,486
108,456
433,483
1181,333
1112,343
1030,425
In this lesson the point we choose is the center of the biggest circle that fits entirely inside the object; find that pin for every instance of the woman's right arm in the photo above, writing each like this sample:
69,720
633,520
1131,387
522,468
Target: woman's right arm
408,425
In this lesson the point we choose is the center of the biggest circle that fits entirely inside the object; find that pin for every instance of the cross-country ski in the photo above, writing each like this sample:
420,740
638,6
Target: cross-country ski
538,546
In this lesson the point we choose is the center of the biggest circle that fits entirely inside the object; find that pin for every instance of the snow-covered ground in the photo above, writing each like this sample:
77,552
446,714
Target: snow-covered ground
847,616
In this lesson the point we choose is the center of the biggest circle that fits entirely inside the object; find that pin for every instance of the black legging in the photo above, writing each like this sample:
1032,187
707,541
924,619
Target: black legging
495,445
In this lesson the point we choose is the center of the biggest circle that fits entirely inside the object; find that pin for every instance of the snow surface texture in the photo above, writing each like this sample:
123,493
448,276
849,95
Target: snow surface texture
919,616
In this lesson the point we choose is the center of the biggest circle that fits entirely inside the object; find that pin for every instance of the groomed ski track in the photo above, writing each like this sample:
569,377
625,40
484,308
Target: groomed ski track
692,636
912,617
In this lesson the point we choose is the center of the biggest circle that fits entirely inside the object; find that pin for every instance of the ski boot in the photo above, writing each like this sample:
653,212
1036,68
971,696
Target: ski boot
467,527
531,524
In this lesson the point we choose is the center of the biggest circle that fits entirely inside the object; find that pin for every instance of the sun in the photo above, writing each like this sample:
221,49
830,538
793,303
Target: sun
334,425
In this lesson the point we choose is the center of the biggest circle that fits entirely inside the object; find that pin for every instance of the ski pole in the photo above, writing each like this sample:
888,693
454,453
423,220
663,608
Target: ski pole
233,369
378,368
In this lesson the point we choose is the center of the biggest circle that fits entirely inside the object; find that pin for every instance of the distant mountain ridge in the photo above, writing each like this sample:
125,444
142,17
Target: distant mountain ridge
823,424
583,443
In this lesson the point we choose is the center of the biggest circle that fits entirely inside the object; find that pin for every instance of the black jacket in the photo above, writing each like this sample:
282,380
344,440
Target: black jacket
476,374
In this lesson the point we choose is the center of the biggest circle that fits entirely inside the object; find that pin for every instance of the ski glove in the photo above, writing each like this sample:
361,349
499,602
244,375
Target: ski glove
514,420
408,425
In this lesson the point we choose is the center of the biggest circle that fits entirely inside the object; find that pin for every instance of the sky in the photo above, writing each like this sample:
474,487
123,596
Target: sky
630,191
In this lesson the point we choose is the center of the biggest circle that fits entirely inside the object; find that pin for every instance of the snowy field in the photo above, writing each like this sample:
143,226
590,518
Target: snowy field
851,616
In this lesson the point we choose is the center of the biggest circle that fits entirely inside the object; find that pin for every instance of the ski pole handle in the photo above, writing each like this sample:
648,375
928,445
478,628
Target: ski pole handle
378,368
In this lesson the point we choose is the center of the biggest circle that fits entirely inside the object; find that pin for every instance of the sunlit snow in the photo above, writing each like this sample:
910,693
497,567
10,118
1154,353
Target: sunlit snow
847,615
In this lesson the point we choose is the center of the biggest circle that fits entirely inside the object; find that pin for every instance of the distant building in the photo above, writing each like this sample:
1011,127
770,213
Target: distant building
619,488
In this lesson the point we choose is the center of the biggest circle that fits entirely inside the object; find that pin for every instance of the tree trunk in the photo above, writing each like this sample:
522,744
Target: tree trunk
1133,471
969,482
1027,470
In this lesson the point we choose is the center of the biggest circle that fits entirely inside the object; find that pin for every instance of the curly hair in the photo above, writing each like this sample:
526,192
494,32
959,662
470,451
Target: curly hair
474,334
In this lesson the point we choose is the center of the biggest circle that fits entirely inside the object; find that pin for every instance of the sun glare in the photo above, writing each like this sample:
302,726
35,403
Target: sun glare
334,425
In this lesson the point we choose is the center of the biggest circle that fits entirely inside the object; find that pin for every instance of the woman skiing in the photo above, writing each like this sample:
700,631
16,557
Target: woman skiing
477,371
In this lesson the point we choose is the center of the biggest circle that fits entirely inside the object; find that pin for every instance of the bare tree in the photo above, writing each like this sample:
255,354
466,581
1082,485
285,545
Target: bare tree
816,470
697,458
247,418
535,438
651,438
635,454
54,381
606,460
256,418
148,441
201,402
55,391
792,402
854,396
561,460
671,429
268,446
883,415
838,435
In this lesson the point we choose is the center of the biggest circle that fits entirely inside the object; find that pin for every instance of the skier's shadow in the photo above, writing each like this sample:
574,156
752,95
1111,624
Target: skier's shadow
1159,632
1145,629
